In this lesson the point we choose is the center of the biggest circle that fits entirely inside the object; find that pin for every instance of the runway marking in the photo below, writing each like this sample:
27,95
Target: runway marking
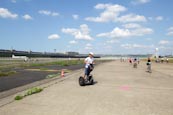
124,88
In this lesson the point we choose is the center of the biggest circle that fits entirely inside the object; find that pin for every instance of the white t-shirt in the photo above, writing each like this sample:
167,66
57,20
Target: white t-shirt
88,61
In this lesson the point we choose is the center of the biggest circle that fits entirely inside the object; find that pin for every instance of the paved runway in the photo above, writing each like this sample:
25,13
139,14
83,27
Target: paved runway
120,90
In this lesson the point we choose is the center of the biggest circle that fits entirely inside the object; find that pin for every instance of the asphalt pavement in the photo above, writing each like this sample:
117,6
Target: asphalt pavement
119,89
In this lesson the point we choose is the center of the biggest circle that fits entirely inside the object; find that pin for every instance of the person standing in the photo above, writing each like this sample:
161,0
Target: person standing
149,65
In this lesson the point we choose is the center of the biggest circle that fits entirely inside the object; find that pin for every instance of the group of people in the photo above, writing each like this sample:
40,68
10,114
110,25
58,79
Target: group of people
89,61
136,61
161,60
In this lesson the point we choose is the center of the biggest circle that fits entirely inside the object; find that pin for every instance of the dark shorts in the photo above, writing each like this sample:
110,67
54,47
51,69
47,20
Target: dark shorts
87,71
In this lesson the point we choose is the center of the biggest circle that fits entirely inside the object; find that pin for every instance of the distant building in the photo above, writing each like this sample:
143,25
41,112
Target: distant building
72,53
20,57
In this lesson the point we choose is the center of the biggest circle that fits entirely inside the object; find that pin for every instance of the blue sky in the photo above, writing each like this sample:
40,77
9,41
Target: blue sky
100,26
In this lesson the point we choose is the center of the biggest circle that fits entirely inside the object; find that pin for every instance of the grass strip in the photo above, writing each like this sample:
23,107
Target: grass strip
29,92
2,74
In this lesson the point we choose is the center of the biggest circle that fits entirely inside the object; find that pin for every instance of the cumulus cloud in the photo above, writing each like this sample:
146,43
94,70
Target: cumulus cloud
112,13
163,42
170,31
131,46
116,33
159,18
131,18
48,13
75,17
81,33
136,2
73,42
5,13
27,17
131,25
53,36
131,30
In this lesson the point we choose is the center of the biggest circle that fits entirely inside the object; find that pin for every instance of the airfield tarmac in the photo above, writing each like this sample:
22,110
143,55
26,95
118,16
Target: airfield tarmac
26,76
119,89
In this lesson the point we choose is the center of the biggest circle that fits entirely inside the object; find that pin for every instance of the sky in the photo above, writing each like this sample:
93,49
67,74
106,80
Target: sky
100,26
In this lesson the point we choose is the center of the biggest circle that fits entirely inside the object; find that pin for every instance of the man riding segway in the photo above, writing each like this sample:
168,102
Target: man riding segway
87,78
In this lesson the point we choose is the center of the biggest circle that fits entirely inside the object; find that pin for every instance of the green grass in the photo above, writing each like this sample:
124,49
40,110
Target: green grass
18,97
29,92
52,75
4,72
44,69
60,63
171,60
7,73
33,91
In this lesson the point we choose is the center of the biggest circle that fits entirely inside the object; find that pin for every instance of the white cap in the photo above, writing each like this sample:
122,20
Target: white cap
91,53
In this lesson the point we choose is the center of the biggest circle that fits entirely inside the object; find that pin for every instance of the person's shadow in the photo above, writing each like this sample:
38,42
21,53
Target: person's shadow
95,82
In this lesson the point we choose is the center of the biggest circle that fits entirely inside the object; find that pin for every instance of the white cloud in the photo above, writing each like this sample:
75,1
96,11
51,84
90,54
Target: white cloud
131,18
75,17
73,42
159,18
132,46
131,25
55,14
125,33
170,31
13,1
27,17
45,12
53,36
112,41
136,2
88,46
141,31
116,33
111,11
5,13
48,13
81,33
163,42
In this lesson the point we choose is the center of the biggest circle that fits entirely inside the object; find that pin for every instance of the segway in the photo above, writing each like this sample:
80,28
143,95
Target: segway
89,79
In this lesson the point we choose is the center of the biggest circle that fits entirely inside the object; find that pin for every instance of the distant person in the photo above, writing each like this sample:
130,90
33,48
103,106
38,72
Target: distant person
130,60
162,60
135,63
138,60
89,61
149,65
167,60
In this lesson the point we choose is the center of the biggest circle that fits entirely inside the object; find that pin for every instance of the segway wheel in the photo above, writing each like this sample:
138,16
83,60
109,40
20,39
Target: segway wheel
81,81
92,82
